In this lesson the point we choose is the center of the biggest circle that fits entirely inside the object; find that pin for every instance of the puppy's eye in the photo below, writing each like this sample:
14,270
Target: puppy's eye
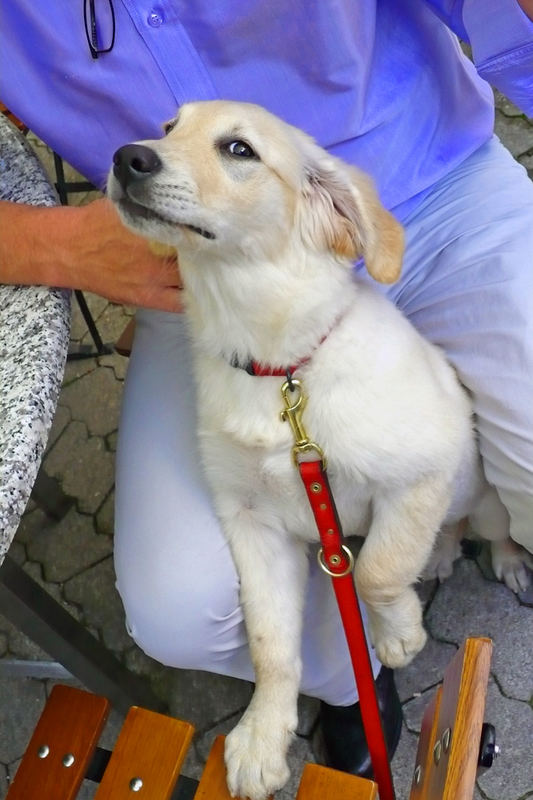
170,125
240,149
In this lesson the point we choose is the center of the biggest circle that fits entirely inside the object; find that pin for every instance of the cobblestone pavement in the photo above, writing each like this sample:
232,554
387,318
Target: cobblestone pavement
73,560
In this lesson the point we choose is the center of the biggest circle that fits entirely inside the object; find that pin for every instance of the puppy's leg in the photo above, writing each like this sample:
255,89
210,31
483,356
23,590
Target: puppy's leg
394,554
273,571
490,520
447,550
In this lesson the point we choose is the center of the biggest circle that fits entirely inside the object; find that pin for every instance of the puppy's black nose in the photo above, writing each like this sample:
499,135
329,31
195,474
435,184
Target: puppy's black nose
134,162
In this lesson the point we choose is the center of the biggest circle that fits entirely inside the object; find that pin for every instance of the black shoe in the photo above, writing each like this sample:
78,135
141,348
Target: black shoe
343,738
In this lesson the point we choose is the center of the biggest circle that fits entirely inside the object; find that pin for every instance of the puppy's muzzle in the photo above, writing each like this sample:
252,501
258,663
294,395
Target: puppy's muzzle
133,163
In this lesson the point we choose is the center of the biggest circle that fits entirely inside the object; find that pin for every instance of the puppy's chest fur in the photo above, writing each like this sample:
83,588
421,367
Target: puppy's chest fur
377,409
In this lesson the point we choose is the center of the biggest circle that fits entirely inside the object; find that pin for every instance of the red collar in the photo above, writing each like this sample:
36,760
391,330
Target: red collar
253,367
262,370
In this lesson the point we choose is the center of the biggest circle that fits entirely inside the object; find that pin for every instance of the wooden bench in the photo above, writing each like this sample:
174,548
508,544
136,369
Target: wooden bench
151,747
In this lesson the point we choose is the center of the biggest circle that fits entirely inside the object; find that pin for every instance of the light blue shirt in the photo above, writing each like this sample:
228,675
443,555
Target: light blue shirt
380,83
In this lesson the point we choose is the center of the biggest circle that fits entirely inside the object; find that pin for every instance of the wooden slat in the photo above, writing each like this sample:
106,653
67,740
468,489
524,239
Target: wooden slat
322,783
151,747
461,710
213,784
424,757
71,723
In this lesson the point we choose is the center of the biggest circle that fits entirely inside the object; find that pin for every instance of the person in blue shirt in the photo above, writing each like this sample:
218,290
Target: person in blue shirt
383,85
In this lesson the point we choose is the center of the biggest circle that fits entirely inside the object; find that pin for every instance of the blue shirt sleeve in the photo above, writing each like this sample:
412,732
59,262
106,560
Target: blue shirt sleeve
501,37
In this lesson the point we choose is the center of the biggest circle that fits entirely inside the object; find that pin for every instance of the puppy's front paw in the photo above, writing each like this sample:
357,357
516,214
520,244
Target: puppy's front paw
397,650
396,629
255,756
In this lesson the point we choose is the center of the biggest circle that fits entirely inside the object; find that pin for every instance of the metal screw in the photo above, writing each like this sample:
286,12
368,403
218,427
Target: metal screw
418,775
437,752
136,784
330,531
323,506
43,751
446,737
316,487
335,561
68,760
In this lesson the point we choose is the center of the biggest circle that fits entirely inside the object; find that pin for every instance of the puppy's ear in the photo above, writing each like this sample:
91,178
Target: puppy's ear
340,211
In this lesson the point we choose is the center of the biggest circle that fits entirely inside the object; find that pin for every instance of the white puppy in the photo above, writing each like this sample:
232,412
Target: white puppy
267,225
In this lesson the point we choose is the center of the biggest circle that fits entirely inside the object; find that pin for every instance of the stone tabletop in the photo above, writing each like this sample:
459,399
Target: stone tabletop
34,335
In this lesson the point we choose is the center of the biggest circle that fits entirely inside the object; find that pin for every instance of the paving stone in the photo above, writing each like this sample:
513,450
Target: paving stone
515,133
69,547
467,605
3,780
204,741
161,678
425,671
300,753
19,645
95,591
17,551
97,306
21,703
505,106
413,709
33,524
62,418
111,441
95,400
527,161
203,698
403,763
76,368
35,570
12,768
83,465
105,517
110,324
511,775
116,362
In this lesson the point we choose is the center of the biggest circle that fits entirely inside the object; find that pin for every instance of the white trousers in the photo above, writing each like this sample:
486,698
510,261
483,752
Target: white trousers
467,285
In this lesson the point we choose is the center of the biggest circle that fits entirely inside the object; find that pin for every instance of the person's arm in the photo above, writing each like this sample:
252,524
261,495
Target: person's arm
84,248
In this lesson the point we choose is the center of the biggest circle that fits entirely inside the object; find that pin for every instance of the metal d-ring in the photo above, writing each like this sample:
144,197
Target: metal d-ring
351,561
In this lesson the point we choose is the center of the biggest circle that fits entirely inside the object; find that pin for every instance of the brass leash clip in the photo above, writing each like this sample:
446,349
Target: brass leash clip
295,401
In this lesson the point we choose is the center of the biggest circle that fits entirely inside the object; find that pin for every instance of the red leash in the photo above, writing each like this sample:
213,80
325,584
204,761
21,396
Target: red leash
337,560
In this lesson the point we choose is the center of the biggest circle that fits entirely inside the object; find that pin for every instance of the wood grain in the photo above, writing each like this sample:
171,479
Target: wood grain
151,747
70,724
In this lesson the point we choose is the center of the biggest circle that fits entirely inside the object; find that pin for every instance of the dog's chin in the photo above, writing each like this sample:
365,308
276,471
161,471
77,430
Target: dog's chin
151,223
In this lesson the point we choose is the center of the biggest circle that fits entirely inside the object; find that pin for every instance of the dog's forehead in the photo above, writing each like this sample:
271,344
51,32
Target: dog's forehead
275,140
215,115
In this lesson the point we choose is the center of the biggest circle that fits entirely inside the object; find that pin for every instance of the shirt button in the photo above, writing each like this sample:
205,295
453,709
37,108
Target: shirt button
155,19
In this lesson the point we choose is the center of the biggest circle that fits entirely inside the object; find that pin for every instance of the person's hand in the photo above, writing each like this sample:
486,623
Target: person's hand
109,260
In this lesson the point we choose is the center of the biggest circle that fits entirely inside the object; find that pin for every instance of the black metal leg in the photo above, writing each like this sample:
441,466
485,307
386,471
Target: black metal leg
25,604
63,188
101,348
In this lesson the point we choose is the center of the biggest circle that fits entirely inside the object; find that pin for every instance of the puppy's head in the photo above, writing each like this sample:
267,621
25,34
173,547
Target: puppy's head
233,178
